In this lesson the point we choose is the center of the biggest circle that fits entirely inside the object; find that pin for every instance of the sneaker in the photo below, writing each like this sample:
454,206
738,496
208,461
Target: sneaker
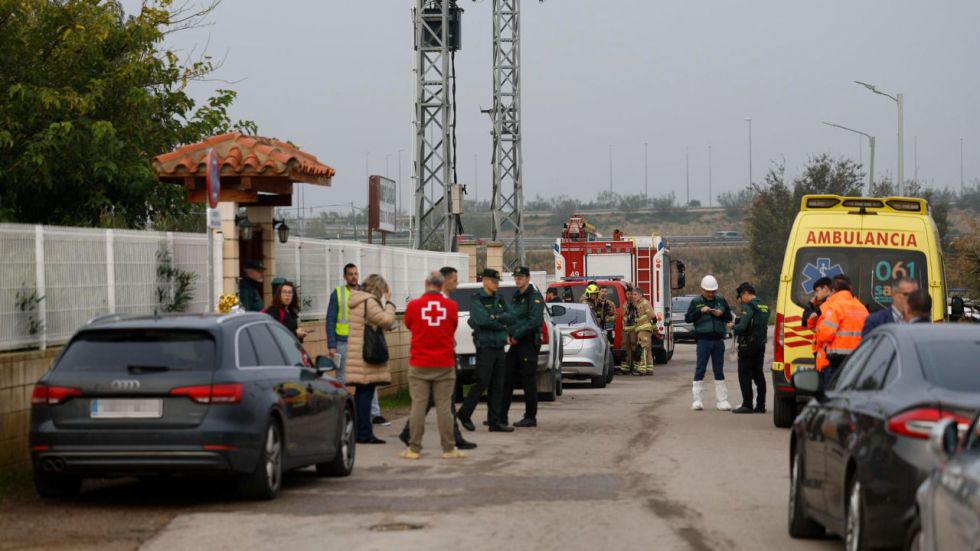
455,454
380,420
409,454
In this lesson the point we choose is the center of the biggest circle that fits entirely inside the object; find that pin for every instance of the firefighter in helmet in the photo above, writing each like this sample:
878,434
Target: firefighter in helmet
644,330
630,336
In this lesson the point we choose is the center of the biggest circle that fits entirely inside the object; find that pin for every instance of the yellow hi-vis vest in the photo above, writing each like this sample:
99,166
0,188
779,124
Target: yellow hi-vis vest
342,327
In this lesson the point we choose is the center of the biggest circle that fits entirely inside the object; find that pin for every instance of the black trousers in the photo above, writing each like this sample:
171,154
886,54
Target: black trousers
522,369
489,377
750,371
452,408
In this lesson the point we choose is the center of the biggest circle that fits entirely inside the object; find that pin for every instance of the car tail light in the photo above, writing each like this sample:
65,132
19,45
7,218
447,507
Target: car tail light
917,423
211,394
544,332
44,395
584,334
777,349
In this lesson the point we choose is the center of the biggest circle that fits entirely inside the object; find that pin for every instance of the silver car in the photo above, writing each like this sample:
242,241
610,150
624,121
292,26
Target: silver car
683,331
587,352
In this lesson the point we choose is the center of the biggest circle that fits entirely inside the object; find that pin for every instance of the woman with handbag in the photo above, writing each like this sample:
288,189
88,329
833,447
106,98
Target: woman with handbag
371,313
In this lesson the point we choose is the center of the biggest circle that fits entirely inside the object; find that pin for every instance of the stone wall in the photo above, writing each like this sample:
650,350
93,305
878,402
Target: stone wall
20,370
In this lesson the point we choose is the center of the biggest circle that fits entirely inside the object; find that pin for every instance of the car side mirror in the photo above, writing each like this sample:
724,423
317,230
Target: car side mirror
808,382
324,364
557,310
944,438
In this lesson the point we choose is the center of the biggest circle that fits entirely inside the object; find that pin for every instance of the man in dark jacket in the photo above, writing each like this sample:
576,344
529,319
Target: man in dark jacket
710,314
821,290
901,290
489,317
250,287
919,308
751,334
527,307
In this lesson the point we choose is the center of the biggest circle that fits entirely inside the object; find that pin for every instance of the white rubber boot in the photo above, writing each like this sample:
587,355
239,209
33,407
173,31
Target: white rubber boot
697,389
721,396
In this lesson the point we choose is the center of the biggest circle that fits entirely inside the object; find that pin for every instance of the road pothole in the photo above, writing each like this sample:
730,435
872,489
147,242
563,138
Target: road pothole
396,527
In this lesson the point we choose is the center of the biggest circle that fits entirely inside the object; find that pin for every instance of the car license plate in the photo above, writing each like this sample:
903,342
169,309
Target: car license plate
127,409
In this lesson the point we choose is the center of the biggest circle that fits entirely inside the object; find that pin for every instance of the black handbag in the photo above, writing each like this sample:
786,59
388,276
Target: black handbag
375,346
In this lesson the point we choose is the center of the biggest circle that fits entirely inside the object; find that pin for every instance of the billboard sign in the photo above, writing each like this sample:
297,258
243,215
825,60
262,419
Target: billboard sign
382,196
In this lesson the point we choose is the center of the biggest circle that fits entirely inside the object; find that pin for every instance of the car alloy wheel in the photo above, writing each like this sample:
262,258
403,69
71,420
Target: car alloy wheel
852,529
273,457
347,442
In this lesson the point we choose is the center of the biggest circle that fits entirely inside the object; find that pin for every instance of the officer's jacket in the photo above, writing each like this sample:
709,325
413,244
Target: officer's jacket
754,323
707,325
489,317
528,311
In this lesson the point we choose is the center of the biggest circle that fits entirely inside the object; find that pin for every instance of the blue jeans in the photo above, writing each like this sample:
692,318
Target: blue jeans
342,364
362,403
715,350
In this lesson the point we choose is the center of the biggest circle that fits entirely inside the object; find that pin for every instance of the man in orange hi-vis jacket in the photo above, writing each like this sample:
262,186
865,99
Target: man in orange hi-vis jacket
839,330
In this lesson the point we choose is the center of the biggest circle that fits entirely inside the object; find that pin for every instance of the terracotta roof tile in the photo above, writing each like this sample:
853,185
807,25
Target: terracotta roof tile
242,155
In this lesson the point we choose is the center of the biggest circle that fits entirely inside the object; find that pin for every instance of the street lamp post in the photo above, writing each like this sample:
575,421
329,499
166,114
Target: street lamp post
900,100
871,140
400,151
749,120
646,189
709,177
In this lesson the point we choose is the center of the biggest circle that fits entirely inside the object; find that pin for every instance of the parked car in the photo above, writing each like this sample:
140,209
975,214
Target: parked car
727,234
948,512
224,395
549,357
587,354
683,331
571,291
860,449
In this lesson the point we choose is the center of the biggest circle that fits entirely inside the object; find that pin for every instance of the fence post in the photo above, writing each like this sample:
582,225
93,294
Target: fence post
110,272
42,314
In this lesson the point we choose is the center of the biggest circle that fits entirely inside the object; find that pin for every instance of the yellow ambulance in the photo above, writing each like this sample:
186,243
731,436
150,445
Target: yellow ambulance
875,242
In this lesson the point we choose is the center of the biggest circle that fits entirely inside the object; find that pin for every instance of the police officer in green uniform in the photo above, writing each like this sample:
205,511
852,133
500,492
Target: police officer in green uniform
751,334
527,307
490,317
250,287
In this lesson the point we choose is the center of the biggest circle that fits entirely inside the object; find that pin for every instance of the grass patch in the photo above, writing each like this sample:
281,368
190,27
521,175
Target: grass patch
400,400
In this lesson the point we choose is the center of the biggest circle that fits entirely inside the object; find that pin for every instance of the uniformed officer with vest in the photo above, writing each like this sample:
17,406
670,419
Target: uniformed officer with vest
527,307
751,335
338,319
644,332
490,316
710,314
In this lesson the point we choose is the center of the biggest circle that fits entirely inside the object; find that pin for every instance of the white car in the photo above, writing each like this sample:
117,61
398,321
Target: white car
549,358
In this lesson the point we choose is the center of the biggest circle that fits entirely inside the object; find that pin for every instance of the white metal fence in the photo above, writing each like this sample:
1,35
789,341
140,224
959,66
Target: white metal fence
54,279
317,266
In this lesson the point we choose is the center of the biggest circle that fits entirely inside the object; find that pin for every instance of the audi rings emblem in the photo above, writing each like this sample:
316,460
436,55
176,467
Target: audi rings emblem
125,384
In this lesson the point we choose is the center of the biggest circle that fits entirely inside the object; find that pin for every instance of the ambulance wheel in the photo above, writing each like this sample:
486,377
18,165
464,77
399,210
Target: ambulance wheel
784,412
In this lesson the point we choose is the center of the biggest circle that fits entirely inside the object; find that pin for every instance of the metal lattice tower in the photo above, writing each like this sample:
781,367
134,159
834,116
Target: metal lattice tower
433,133
508,192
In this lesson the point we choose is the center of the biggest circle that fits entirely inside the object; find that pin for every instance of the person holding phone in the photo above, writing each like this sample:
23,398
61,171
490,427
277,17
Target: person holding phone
710,315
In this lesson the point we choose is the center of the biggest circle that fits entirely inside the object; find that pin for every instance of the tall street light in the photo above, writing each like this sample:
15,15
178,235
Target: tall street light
871,140
749,120
900,100
400,205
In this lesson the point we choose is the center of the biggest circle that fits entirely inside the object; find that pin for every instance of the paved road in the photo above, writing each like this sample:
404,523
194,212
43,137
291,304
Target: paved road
629,465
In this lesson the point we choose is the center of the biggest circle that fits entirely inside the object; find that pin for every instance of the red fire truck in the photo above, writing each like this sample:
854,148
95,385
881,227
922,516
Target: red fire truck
640,261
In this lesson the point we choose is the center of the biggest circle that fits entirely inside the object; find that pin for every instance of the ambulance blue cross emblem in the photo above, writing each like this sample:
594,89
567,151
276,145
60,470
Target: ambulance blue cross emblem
813,272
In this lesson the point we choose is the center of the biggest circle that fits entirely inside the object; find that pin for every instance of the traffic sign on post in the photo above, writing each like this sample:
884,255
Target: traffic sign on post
213,179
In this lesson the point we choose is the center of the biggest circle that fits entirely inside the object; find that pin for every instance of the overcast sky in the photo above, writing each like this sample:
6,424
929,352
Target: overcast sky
337,79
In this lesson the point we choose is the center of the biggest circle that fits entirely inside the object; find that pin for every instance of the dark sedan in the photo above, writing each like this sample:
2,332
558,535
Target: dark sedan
860,450
949,500
231,395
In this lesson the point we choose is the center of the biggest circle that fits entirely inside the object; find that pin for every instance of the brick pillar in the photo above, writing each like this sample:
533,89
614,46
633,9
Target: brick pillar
495,256
469,249
229,251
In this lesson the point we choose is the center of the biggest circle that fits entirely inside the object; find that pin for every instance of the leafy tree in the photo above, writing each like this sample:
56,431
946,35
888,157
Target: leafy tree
87,97
734,202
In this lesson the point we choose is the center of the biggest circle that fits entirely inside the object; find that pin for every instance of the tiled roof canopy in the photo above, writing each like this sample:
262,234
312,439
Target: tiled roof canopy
243,156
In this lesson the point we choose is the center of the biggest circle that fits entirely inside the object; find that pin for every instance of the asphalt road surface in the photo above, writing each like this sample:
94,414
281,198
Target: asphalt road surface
625,467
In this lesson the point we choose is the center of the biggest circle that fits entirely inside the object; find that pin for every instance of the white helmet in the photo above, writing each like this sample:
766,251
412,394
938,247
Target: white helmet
709,283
